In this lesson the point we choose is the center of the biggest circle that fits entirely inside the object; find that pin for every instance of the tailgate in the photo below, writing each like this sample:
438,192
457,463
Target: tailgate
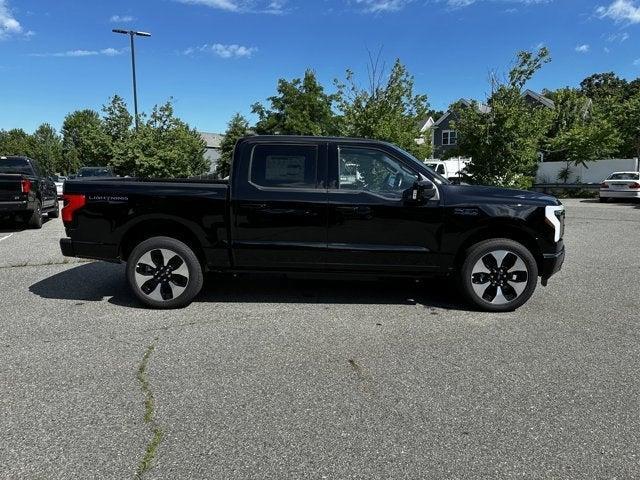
10,187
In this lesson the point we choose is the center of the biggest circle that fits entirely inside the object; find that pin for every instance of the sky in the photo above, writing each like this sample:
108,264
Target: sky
218,57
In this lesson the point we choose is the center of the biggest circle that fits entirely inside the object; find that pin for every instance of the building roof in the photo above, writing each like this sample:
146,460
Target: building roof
213,140
547,102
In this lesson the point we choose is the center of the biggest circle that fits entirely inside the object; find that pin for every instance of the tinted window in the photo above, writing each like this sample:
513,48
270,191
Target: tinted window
284,166
373,171
15,165
95,172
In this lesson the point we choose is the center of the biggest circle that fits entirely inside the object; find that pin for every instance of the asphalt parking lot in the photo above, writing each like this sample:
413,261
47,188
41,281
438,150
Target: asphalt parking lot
272,378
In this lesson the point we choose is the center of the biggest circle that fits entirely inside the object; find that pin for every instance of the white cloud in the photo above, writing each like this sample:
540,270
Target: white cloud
376,6
466,3
636,62
583,48
223,51
8,24
621,11
618,37
121,19
107,52
275,7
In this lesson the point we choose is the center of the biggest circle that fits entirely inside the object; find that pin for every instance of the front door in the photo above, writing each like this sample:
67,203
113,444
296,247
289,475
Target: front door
371,226
279,207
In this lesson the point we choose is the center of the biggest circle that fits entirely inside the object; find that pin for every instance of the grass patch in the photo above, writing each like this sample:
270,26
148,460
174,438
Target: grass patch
149,413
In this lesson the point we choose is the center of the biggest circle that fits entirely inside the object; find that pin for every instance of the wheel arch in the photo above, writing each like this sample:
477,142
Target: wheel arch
160,227
500,230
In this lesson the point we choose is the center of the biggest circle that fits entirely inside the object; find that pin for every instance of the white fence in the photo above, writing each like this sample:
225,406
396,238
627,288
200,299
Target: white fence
593,172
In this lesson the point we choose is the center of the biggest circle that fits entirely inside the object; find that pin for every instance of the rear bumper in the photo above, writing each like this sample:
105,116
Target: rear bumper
551,264
619,194
96,251
16,207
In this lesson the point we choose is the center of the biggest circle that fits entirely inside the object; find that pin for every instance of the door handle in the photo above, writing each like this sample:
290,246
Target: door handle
358,210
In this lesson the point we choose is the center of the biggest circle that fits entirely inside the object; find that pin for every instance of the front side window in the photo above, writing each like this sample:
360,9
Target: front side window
284,166
449,137
373,171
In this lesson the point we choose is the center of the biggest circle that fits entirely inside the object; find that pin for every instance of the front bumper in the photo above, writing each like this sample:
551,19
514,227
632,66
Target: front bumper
95,251
551,264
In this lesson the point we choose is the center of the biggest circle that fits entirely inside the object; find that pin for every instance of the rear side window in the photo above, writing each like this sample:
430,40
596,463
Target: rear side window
15,165
284,166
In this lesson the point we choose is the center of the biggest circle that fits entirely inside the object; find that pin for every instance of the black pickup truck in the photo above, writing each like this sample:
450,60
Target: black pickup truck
25,193
317,205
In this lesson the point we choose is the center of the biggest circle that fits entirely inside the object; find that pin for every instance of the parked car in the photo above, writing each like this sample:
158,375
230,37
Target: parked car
452,170
317,205
620,185
25,193
59,182
90,172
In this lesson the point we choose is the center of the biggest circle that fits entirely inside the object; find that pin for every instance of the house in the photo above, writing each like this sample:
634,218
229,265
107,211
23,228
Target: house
213,141
444,137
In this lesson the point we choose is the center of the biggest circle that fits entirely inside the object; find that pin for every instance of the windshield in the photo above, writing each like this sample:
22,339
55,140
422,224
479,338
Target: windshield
421,166
624,176
95,172
15,165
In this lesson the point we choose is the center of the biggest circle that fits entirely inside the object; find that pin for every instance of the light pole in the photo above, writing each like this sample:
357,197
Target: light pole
133,33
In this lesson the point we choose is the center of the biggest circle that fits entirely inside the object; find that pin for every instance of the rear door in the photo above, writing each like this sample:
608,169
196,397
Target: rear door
279,206
371,226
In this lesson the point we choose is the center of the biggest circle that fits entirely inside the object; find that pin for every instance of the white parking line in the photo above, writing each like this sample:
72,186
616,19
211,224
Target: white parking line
4,238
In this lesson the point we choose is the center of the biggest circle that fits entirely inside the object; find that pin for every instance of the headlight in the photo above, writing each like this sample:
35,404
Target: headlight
554,216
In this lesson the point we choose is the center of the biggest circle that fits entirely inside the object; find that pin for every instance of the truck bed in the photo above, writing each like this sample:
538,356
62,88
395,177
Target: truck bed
116,210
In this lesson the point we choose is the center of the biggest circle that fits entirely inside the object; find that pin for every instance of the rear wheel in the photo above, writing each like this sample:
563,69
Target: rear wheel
164,273
499,275
35,221
603,199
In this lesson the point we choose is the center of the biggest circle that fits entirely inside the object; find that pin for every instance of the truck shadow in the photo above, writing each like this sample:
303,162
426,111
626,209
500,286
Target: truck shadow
11,226
96,281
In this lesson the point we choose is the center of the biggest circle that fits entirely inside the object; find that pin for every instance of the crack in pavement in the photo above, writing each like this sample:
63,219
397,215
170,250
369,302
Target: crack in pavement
45,264
149,413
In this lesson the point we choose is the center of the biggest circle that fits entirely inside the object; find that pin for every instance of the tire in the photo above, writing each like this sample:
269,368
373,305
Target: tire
35,221
55,213
164,273
603,199
507,268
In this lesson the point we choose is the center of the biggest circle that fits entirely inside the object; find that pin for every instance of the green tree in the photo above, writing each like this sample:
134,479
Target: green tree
580,131
629,124
47,148
117,120
301,107
164,146
83,132
388,111
504,140
237,128
16,142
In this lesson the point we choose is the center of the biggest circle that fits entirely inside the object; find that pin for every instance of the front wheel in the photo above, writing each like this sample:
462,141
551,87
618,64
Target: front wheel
499,275
164,273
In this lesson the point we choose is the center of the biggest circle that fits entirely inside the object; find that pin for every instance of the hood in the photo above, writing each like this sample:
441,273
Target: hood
497,195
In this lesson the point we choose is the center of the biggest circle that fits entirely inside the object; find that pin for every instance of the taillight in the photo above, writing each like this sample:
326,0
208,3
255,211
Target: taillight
25,185
604,185
635,185
72,202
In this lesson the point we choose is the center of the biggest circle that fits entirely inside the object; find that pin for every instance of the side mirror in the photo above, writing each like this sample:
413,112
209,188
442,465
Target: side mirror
421,191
